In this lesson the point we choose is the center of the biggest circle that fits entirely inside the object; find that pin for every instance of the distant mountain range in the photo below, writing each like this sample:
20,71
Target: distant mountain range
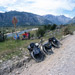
72,20
58,19
25,18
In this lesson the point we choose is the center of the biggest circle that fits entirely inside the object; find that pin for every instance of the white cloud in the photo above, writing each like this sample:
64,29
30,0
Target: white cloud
1,12
40,7
6,2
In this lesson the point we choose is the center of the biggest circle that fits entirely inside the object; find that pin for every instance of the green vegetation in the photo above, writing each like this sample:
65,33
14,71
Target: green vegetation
11,48
42,30
50,27
67,31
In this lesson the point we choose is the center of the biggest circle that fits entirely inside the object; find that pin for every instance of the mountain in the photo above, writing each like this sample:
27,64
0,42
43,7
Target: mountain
57,19
72,21
23,18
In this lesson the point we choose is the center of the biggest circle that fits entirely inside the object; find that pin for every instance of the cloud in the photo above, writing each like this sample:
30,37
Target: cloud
6,2
40,7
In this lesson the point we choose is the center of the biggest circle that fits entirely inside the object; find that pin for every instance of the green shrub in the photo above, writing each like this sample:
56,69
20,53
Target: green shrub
53,27
47,27
67,31
40,32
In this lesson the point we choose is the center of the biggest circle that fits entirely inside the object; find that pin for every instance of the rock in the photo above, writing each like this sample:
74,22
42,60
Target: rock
17,72
20,48
19,64
1,61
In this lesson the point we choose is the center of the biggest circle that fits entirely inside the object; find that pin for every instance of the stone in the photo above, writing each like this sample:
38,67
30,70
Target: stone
1,61
17,72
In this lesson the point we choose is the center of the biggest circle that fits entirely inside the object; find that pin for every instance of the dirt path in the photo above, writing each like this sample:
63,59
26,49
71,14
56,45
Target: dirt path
62,62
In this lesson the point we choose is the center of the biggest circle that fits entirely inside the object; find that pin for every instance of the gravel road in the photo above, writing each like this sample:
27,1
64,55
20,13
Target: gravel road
61,62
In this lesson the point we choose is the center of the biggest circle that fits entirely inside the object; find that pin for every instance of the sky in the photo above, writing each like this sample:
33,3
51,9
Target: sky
40,7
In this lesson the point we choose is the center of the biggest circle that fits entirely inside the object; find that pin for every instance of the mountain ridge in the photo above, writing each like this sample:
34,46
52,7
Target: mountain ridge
72,20
61,19
23,18
26,18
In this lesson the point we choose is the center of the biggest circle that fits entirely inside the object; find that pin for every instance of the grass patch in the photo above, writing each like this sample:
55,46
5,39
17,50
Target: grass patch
11,48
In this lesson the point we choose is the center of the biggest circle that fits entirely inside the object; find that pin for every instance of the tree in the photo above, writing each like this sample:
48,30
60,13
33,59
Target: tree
53,27
40,32
47,27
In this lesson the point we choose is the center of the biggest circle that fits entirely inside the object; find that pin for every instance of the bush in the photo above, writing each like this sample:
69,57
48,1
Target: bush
40,32
47,27
53,27
67,31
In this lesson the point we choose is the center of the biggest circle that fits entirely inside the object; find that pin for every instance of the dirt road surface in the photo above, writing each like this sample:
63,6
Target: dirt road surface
61,62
